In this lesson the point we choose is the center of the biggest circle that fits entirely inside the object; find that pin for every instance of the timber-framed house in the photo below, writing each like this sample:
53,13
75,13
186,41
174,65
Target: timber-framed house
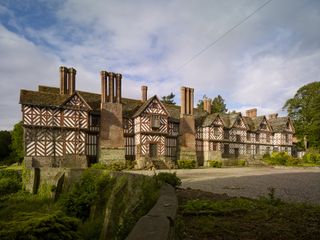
64,127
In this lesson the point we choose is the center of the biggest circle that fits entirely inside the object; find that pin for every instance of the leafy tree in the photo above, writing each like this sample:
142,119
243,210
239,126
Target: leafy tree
17,143
169,99
304,109
217,105
5,141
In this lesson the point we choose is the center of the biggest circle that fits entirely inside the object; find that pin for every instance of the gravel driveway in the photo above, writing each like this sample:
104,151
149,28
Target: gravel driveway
290,184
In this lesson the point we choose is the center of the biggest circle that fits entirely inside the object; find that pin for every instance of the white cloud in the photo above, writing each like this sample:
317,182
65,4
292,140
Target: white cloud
260,64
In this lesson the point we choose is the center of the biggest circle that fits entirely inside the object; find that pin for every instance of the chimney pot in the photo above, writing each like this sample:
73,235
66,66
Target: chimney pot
273,116
144,93
72,80
103,75
111,87
118,87
63,80
251,112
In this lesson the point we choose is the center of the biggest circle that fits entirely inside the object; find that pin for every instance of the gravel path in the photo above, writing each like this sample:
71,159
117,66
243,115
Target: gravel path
290,184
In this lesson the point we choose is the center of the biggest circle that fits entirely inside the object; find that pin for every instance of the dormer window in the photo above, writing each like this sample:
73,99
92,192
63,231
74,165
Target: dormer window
263,126
155,122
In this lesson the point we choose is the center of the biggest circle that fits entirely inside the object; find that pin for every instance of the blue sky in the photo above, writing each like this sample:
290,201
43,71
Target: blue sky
259,64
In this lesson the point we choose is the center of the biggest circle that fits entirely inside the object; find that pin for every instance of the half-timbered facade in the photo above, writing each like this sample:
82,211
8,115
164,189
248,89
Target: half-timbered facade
64,127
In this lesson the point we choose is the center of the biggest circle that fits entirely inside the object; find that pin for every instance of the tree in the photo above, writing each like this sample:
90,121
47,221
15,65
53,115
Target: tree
304,110
169,99
17,143
217,105
5,142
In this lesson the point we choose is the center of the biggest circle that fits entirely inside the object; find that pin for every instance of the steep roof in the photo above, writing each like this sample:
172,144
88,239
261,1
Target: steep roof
51,97
279,124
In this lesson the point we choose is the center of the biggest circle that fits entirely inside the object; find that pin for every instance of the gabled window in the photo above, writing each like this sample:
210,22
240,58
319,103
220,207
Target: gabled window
263,126
257,137
216,131
268,137
238,138
248,136
155,121
226,134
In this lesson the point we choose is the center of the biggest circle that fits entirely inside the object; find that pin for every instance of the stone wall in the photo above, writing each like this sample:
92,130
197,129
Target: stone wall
159,222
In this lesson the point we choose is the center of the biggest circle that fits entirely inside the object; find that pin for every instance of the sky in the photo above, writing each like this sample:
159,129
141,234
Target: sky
260,63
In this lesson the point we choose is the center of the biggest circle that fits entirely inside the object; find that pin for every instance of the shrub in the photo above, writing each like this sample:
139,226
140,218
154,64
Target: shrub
279,158
170,178
112,167
215,163
10,182
313,158
188,164
266,156
79,200
242,162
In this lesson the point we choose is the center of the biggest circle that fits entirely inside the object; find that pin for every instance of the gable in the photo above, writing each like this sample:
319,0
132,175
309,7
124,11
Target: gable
155,107
218,121
289,126
76,101
239,123
264,125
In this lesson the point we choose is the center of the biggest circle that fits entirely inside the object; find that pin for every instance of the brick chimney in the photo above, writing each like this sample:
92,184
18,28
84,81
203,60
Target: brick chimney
187,99
71,81
144,93
251,112
63,80
207,105
273,116
118,87
104,94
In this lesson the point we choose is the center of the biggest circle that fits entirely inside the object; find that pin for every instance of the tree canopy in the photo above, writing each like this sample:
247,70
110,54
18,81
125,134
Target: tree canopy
5,142
11,145
169,99
217,105
304,109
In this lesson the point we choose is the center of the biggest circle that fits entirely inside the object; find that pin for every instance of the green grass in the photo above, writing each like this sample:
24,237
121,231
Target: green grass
239,218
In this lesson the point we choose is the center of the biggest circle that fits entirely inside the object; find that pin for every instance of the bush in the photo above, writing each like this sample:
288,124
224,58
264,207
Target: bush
112,167
313,158
10,182
79,200
266,156
215,163
188,164
242,162
279,158
170,178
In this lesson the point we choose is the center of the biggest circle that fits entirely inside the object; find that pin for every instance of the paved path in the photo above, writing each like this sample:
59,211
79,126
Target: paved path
291,184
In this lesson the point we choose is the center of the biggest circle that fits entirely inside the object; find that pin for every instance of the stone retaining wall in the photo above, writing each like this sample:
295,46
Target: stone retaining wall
158,223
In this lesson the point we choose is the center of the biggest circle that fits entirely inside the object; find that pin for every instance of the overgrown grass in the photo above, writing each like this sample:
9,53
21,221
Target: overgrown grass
239,218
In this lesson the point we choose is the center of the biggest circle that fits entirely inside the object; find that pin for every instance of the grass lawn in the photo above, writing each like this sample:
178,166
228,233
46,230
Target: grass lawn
205,215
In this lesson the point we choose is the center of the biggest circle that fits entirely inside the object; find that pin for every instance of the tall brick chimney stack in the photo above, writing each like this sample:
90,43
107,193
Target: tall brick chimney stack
111,139
207,105
251,113
118,87
273,116
187,99
104,94
63,80
71,81
187,142
111,86
144,93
